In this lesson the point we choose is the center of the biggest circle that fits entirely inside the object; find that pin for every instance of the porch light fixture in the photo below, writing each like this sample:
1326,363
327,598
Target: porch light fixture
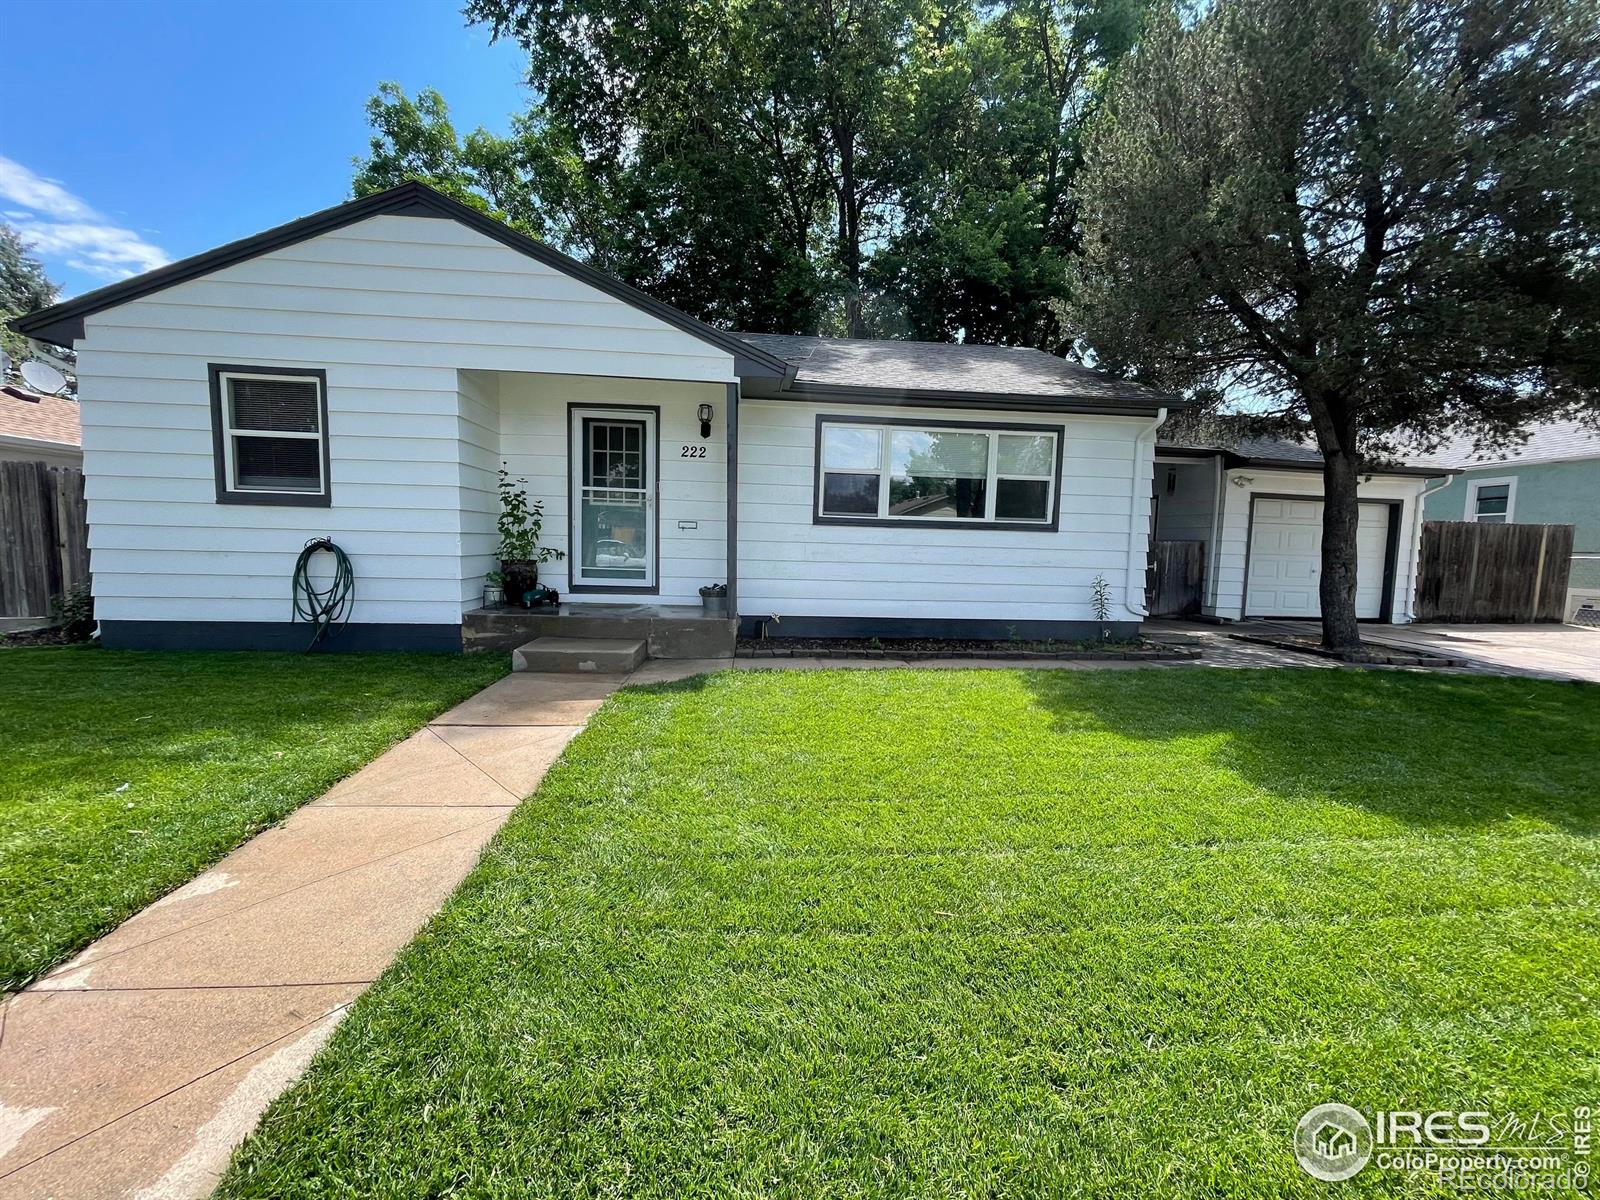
705,420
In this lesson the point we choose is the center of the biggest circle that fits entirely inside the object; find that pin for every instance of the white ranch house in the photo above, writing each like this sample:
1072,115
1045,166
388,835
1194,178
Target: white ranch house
361,374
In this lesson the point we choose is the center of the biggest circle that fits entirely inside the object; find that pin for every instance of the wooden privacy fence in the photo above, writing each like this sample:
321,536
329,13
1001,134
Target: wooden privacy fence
46,533
1174,578
1470,571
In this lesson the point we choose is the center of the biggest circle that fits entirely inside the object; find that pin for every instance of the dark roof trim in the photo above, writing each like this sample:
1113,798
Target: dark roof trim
62,324
940,398
1235,461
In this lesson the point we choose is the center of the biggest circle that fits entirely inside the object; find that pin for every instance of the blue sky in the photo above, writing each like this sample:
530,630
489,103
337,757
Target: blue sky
133,132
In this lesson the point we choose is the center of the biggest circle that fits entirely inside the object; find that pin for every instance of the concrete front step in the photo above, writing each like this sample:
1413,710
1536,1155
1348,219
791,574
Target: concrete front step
668,631
604,656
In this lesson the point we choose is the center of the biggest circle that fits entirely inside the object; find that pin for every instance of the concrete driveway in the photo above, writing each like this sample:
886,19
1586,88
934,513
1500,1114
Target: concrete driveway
1550,651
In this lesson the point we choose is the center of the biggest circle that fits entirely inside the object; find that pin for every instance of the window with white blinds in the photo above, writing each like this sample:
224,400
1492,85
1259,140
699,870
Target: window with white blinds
271,435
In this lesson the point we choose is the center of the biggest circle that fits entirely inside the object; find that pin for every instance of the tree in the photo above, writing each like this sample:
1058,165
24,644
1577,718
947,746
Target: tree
24,288
1376,220
989,220
856,167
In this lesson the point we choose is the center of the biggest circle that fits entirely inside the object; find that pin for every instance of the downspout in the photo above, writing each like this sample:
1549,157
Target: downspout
1420,503
1213,550
1139,529
733,501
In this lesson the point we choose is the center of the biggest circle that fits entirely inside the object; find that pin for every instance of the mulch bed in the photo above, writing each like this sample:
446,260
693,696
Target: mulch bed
918,649
53,636
1370,655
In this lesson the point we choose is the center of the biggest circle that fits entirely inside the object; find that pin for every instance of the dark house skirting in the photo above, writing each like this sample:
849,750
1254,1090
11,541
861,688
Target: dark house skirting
275,635
928,627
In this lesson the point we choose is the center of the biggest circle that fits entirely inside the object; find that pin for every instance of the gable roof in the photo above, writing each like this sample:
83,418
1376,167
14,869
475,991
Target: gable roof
35,417
62,324
864,371
1009,376
1554,441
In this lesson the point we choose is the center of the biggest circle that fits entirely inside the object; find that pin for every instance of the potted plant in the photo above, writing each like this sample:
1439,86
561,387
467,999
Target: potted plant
714,600
521,521
494,589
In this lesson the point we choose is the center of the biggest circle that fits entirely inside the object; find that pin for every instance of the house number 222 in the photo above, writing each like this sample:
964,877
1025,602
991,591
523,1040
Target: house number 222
693,452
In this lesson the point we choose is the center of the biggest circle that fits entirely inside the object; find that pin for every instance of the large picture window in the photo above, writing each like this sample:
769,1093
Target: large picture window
958,474
270,434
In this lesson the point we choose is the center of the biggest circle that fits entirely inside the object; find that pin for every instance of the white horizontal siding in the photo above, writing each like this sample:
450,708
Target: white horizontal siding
533,443
790,566
409,317
1233,538
479,428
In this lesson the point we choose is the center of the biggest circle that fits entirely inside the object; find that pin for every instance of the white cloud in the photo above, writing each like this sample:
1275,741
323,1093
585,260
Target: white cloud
59,225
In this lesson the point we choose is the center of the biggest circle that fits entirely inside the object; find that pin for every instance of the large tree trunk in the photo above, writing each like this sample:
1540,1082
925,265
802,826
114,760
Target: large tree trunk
1337,587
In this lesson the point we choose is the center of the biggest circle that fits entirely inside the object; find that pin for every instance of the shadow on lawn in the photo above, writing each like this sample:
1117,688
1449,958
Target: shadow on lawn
1431,750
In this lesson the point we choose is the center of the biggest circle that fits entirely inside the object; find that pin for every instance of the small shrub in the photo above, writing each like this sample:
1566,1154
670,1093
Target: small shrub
73,610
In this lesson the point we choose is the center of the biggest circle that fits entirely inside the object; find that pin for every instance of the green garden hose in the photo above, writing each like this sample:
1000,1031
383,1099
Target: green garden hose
323,607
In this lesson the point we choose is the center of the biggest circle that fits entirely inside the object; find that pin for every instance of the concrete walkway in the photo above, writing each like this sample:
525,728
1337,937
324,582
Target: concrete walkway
134,1069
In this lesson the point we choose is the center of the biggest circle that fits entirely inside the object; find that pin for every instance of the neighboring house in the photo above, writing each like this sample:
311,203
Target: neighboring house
1256,507
361,373
1551,479
38,428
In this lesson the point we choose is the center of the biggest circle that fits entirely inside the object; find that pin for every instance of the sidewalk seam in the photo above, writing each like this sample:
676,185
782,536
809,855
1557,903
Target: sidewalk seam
243,908
174,1091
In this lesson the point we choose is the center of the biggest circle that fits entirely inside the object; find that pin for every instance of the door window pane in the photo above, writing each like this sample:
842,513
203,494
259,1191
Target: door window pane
613,538
615,457
844,448
850,495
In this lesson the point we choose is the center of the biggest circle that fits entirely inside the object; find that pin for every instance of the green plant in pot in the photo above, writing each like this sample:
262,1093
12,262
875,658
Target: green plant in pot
521,521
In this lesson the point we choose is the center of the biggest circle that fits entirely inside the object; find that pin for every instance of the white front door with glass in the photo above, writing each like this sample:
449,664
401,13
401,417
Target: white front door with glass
613,499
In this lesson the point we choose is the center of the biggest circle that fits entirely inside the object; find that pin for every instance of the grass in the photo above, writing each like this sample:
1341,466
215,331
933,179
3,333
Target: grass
124,774
983,933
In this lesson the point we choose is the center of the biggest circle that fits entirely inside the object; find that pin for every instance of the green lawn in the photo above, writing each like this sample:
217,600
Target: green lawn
919,933
124,774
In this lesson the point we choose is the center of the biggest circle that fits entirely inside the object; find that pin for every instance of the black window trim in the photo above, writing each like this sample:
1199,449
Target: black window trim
1053,525
219,449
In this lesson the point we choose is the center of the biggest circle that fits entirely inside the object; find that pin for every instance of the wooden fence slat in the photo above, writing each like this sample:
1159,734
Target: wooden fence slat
44,536
1175,579
1471,571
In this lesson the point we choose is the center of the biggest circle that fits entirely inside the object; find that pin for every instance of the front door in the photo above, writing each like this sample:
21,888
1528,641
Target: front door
613,499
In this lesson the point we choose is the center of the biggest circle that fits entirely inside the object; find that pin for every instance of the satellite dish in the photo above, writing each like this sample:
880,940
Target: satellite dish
42,377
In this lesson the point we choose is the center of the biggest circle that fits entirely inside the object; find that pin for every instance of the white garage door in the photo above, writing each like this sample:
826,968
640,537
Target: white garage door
1286,559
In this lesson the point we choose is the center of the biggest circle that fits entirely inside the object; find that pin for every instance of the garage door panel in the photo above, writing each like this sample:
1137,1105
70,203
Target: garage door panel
1286,559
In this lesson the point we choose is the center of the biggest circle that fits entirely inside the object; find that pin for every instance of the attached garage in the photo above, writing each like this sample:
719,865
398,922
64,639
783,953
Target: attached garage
1252,512
1284,560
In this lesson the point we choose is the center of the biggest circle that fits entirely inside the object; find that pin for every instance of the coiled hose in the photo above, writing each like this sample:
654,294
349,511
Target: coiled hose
323,607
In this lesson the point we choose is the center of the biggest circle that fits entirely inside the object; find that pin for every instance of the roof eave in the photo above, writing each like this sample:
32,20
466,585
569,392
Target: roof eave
21,441
949,398
1236,461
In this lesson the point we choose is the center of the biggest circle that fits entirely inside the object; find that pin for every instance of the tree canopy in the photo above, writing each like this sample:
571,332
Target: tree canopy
24,288
868,168
1378,219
